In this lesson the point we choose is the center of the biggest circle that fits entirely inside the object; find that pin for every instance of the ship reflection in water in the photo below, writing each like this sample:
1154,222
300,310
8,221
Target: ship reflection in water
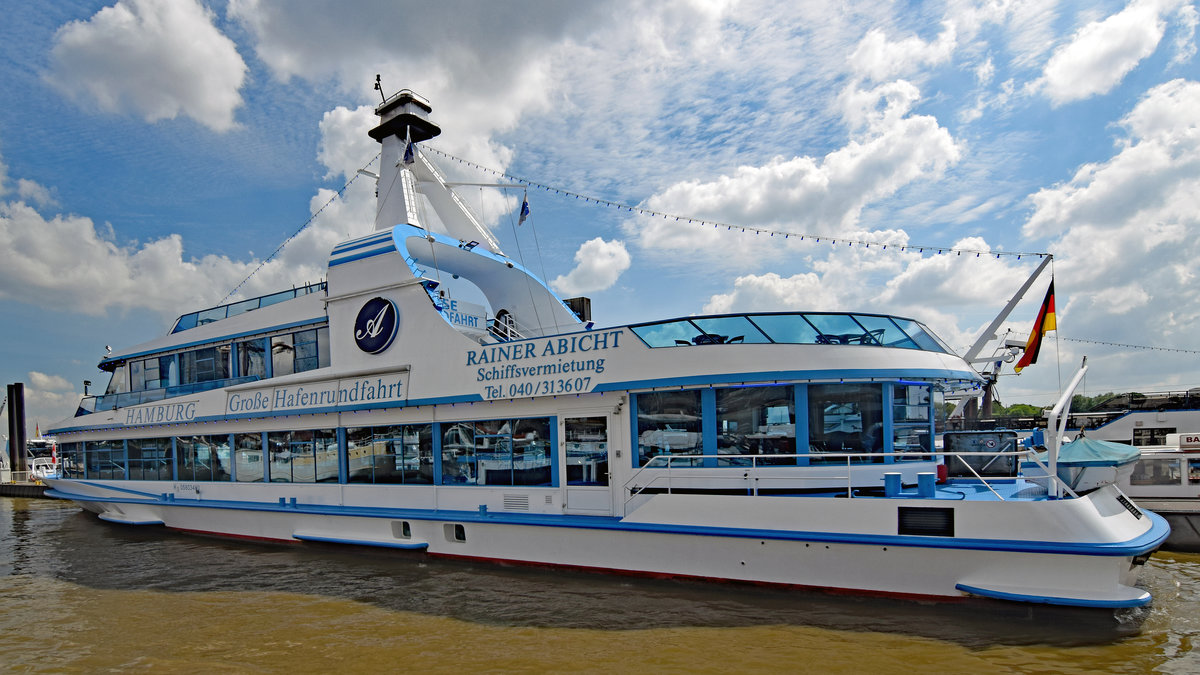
84,597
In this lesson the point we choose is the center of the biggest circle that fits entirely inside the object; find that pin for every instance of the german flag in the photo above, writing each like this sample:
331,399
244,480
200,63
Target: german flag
1045,322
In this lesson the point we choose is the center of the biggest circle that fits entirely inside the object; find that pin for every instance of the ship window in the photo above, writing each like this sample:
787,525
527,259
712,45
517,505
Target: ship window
204,365
150,459
248,460
885,332
756,421
1151,436
840,329
845,418
203,458
300,352
668,425
497,452
911,415
923,336
105,459
305,343
304,456
283,360
252,358
1156,471
587,450
70,458
392,454
119,382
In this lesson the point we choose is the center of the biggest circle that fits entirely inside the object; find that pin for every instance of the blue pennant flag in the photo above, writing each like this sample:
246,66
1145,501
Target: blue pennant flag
408,153
524,212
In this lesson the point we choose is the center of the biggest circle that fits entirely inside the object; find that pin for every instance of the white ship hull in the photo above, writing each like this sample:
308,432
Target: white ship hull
783,541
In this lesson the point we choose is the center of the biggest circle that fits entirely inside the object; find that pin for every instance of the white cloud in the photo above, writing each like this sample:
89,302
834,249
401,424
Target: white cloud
1102,53
52,383
1185,39
154,58
808,195
598,264
63,263
771,292
30,191
1125,229
1151,179
879,59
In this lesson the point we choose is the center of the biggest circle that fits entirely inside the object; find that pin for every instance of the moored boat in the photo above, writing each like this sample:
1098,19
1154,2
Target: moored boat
433,394
1166,480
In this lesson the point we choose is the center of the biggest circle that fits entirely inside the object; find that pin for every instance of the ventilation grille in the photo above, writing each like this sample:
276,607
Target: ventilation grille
926,521
516,502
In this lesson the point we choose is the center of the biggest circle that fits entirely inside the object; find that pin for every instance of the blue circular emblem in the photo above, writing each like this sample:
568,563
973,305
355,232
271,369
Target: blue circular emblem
376,325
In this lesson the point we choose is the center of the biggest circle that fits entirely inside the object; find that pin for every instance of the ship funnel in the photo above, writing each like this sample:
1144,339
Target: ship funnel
403,119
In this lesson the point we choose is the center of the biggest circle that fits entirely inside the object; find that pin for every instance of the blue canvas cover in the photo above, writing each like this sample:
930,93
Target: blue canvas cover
1093,452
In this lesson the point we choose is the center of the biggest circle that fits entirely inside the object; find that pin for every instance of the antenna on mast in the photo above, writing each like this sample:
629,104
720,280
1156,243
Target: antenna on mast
379,88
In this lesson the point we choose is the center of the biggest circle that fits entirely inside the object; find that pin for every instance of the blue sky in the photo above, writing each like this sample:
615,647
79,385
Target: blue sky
154,152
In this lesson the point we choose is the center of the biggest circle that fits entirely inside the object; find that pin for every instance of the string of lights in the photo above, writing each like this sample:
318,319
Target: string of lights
1119,344
920,248
295,234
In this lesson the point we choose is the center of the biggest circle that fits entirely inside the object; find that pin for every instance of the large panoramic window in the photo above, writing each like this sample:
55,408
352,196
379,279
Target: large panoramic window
106,459
497,452
391,454
248,458
756,421
845,418
203,458
1155,471
150,459
70,457
669,423
304,456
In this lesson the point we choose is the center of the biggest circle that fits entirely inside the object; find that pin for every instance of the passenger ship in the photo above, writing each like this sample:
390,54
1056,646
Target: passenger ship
433,394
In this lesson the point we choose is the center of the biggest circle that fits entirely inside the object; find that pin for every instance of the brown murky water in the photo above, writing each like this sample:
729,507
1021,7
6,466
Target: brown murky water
81,595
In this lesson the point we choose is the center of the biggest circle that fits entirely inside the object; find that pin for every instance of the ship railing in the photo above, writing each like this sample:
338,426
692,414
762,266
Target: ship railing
675,473
91,404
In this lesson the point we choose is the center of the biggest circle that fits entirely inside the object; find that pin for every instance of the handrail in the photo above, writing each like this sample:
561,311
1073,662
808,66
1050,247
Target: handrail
652,473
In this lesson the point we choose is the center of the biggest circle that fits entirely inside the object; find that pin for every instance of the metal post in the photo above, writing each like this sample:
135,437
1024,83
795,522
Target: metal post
16,427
